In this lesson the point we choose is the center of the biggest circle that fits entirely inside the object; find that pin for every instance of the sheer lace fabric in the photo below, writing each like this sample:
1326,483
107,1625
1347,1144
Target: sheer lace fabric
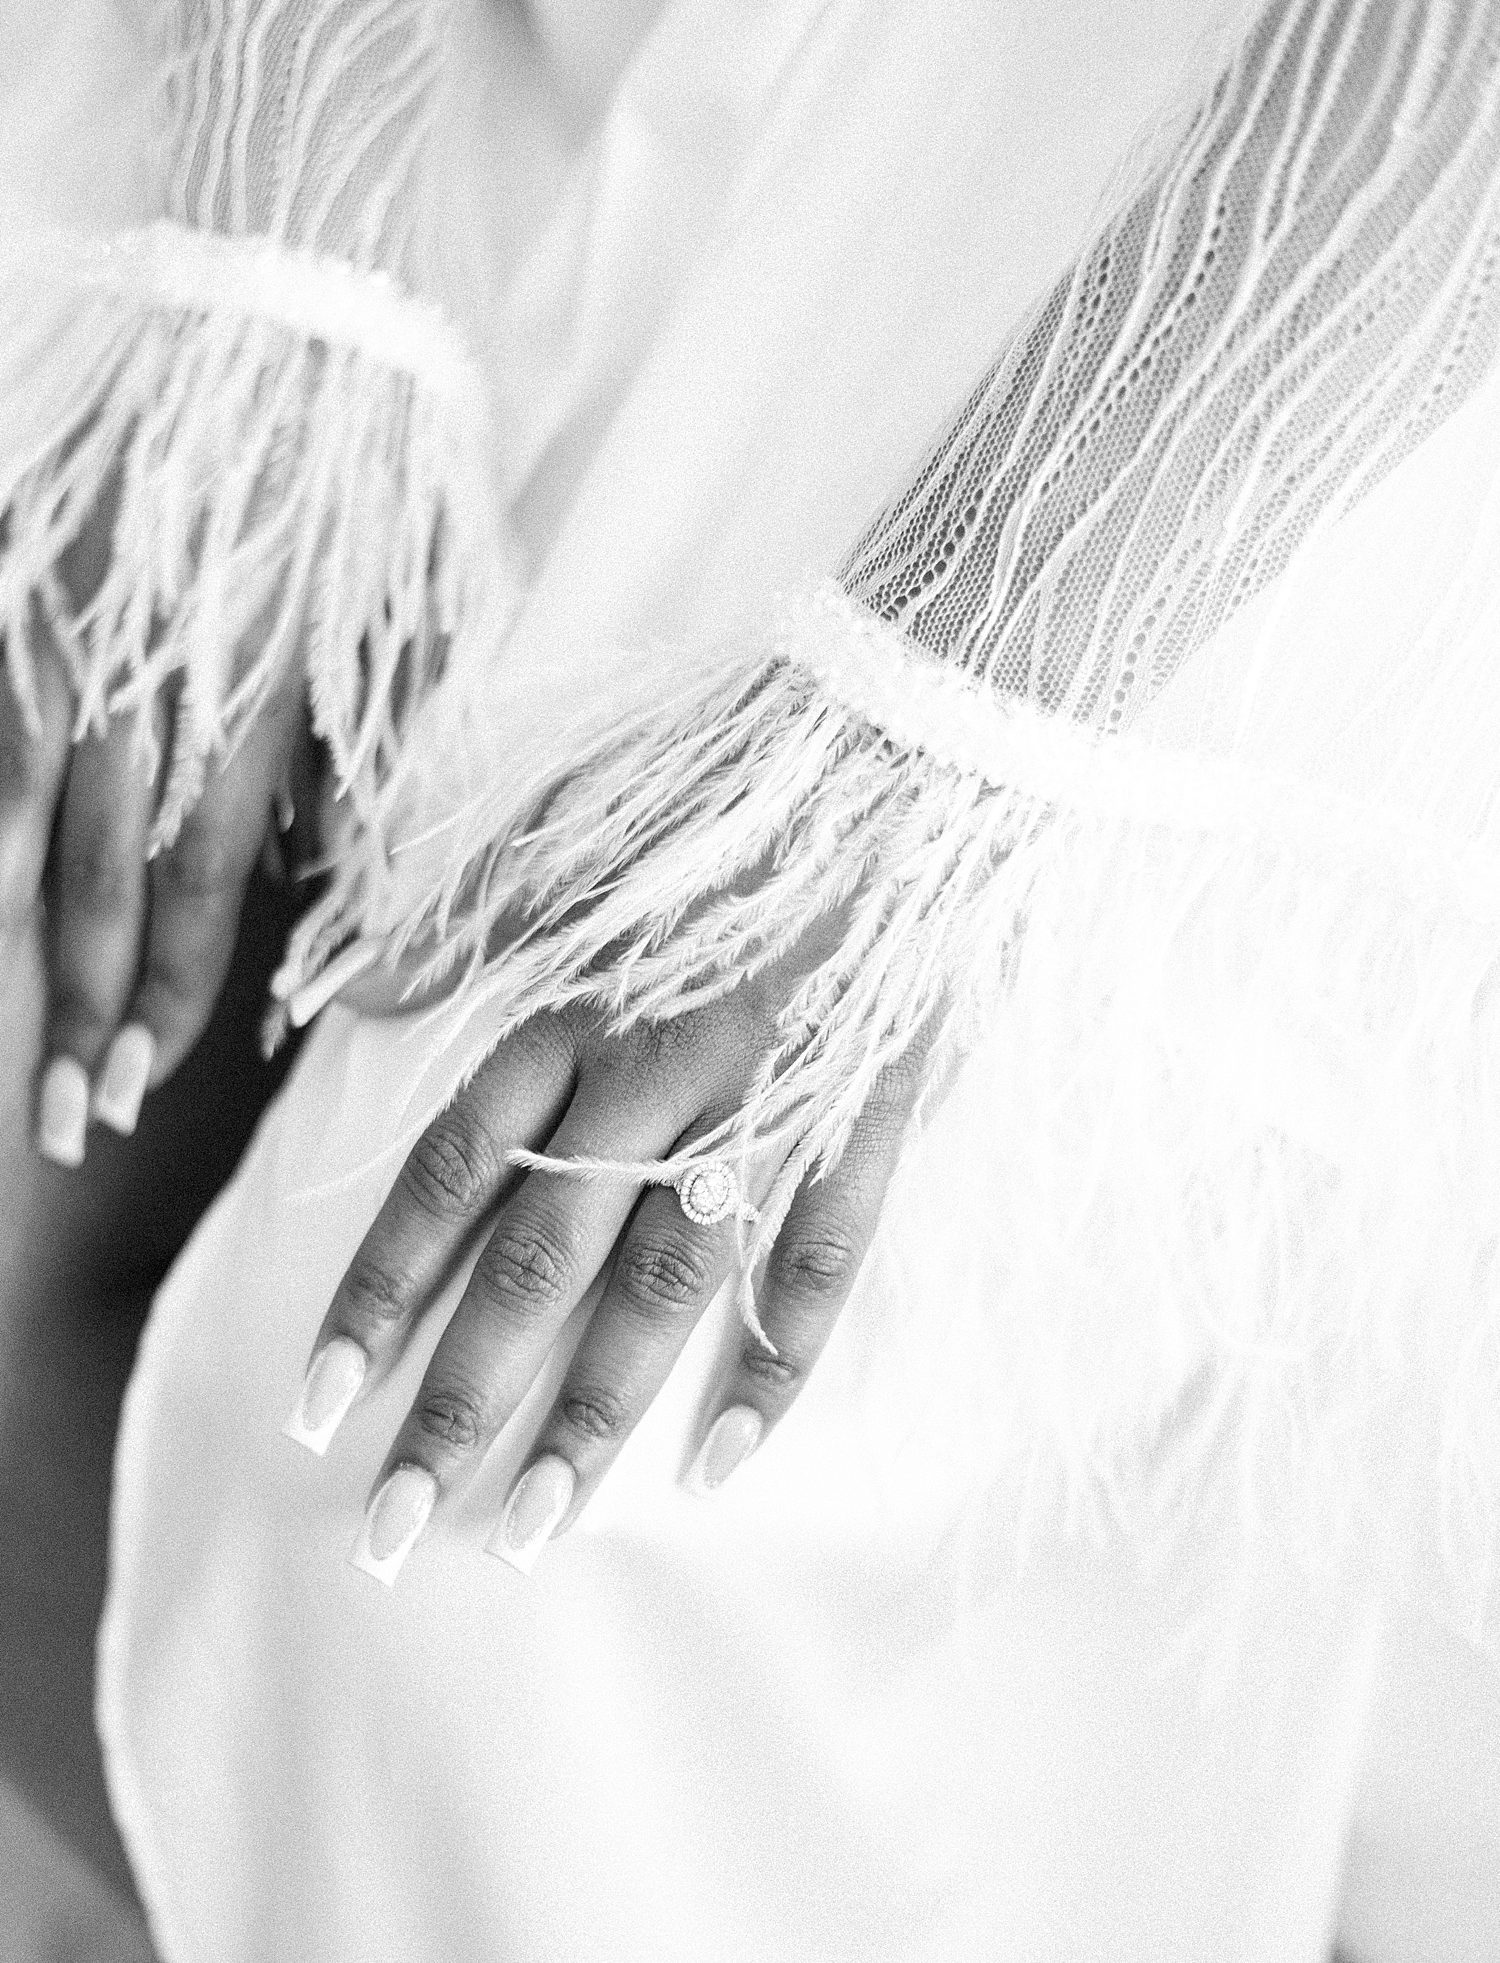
1248,347
1021,741
1299,292
302,121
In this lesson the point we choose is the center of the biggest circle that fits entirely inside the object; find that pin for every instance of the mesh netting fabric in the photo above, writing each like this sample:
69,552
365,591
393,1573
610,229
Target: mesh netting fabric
1249,346
299,120
1289,302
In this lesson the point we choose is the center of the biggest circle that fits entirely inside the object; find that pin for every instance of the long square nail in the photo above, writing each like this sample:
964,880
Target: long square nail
540,1500
62,1111
122,1082
397,1515
731,1439
331,1385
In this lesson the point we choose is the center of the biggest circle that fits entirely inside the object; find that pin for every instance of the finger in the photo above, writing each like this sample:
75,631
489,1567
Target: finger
33,769
549,1242
96,902
197,888
811,1271
452,1180
666,1271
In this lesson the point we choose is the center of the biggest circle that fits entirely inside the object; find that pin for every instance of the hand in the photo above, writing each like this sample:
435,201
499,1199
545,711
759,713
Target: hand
136,949
632,1097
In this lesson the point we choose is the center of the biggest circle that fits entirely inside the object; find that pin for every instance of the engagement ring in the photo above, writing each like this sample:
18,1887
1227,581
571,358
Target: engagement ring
709,1193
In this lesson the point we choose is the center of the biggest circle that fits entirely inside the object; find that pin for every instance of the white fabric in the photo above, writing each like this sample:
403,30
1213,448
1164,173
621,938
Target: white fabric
1302,289
303,121
170,265
1203,413
286,505
761,1725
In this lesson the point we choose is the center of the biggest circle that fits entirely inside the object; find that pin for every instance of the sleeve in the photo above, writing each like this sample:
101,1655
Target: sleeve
280,436
910,748
1231,1243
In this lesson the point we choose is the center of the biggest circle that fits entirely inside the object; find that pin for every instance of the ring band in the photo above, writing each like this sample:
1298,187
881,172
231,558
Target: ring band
709,1192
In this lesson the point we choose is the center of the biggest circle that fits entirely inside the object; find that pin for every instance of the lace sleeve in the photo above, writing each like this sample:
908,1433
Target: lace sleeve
1207,897
1278,315
282,439
301,121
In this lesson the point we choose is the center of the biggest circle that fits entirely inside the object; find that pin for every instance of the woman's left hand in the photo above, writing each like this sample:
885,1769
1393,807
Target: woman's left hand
561,1083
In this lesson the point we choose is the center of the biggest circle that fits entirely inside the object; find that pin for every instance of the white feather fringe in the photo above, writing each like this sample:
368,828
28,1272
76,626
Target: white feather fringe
287,458
1238,1232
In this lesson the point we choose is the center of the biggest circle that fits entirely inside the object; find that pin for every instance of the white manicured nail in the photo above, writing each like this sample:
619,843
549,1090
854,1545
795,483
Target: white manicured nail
397,1515
533,1510
329,1388
304,1003
122,1082
732,1437
63,1111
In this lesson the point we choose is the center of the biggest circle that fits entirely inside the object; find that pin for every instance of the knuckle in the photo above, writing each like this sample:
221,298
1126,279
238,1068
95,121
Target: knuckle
655,1043
820,1262
452,1415
200,866
174,985
556,1039
664,1275
595,1413
94,871
523,1267
373,1298
451,1168
781,1374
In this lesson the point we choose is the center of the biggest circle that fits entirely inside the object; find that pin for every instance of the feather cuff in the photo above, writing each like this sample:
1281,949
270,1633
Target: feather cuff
287,455
1248,1038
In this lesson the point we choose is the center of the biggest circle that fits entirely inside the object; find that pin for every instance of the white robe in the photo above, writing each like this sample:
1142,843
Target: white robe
767,1724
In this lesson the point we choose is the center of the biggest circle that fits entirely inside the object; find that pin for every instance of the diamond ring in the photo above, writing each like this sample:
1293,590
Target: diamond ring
710,1192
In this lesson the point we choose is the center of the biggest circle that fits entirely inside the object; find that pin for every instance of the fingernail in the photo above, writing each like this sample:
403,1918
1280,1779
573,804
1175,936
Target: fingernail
732,1437
397,1515
63,1111
533,1510
329,1388
122,1083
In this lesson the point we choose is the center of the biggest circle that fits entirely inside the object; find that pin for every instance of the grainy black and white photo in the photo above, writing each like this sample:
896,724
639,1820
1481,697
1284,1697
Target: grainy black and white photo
750,981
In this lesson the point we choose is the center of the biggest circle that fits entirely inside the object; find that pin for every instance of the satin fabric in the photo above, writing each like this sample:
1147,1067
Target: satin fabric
775,1723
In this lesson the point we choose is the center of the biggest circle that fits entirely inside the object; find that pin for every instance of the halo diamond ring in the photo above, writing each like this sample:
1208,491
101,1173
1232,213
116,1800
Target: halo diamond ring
709,1192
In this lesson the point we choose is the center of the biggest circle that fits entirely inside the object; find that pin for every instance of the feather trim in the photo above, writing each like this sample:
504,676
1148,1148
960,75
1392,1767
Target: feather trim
1245,1193
286,454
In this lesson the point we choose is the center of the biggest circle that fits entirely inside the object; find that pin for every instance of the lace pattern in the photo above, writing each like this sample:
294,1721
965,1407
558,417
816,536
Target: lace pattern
1263,332
301,121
